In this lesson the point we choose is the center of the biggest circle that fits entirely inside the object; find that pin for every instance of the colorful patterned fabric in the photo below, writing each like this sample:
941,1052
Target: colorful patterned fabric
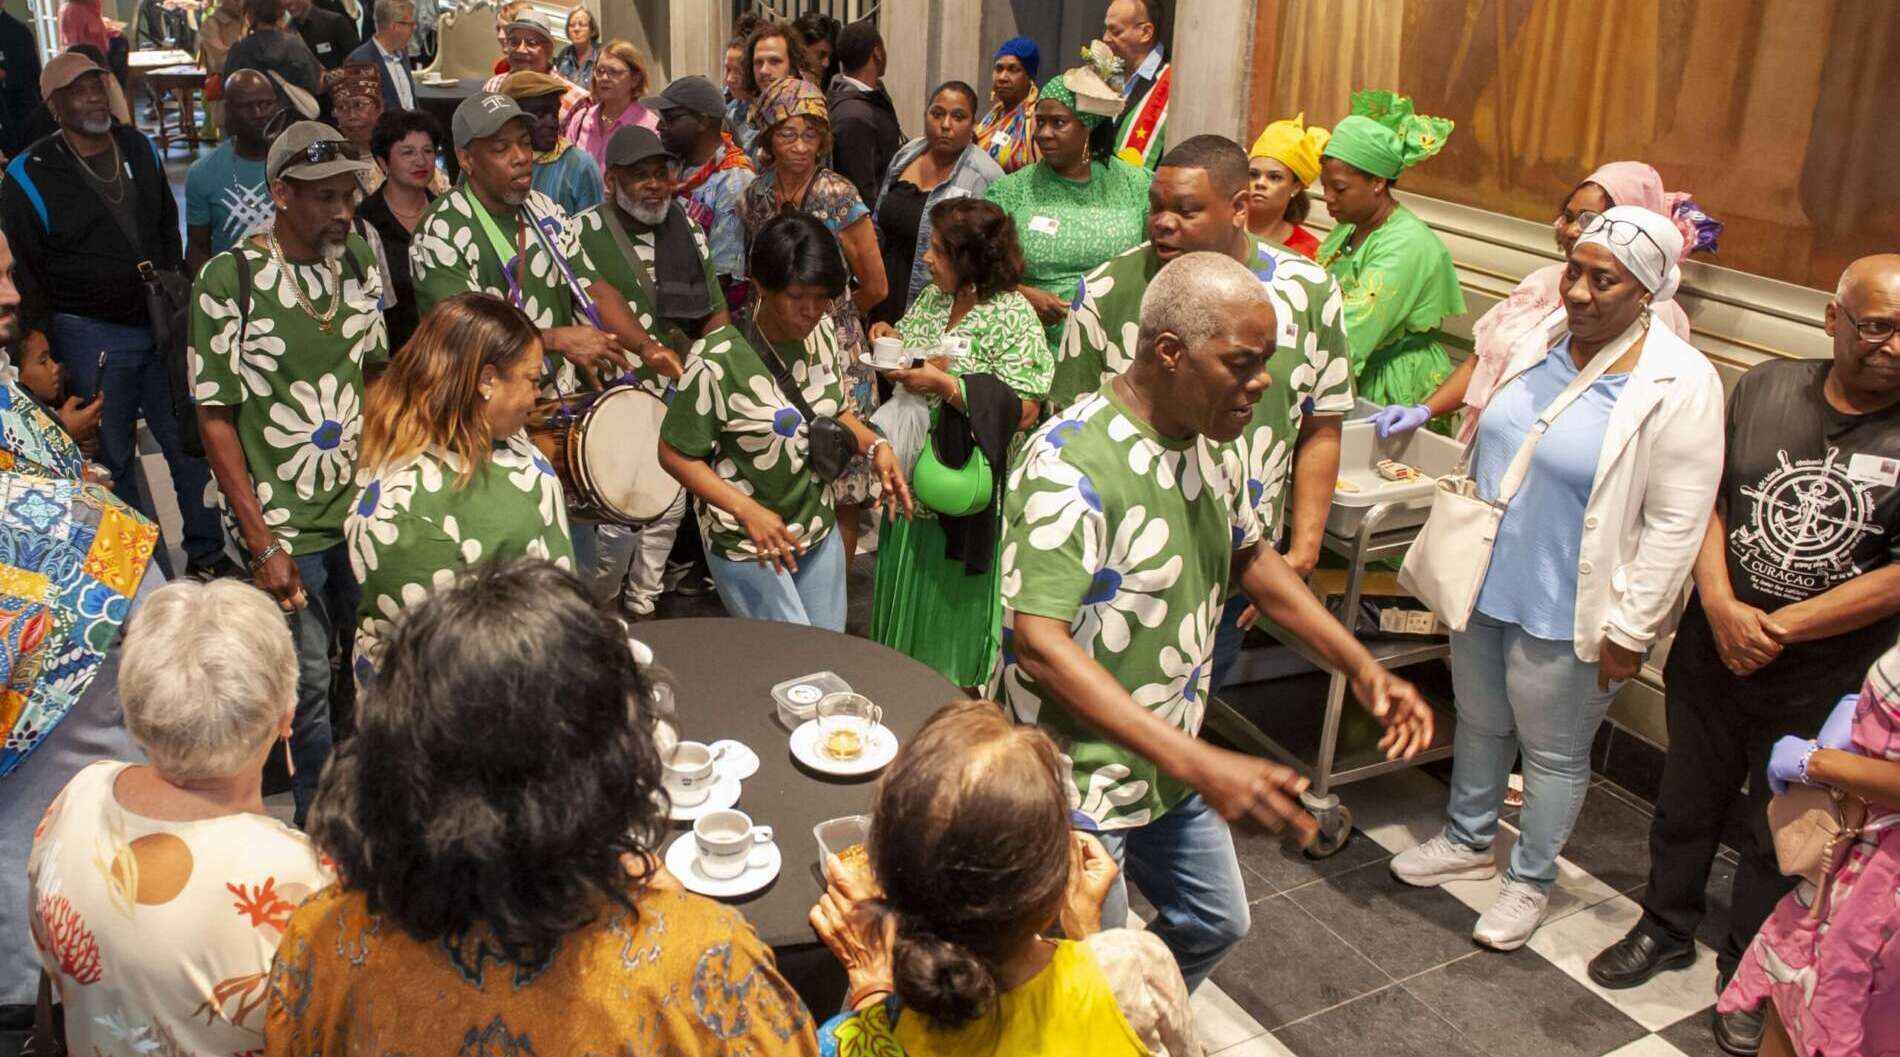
31,439
1009,136
159,935
1400,287
1831,976
791,97
71,558
1142,136
1127,537
712,193
297,390
685,977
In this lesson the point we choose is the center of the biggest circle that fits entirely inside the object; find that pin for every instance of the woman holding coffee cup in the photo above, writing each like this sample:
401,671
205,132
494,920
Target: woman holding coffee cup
737,439
937,597
484,883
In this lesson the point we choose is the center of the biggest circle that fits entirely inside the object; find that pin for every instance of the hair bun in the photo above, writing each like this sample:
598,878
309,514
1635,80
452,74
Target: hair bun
943,980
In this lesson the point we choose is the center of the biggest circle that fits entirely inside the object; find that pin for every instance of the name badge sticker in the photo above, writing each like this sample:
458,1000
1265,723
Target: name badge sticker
1044,225
1874,469
323,47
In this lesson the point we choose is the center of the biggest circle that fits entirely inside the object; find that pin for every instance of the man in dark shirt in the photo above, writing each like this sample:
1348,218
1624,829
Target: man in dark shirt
1797,593
330,36
270,48
865,132
83,208
19,81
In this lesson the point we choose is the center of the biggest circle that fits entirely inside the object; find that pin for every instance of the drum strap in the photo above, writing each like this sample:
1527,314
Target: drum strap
611,217
517,254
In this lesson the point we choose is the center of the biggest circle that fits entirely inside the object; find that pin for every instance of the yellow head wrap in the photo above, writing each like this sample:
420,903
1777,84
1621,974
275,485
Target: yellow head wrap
1293,145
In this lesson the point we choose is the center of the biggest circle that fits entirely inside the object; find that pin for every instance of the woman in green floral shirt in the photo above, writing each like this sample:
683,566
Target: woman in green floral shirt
739,442
948,612
447,477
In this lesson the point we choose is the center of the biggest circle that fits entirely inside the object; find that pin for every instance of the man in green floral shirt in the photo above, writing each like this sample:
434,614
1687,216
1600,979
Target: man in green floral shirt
1127,519
279,385
1198,203
647,248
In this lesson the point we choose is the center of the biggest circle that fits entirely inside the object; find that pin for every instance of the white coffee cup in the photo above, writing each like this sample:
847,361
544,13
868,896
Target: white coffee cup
687,773
890,353
728,844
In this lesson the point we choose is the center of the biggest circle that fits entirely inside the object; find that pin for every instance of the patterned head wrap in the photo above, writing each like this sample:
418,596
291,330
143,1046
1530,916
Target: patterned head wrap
1647,243
1059,89
1293,145
1023,50
1384,137
1631,183
360,81
791,97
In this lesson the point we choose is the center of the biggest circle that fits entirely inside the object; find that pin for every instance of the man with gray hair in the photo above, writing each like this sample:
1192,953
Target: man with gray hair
1126,519
388,51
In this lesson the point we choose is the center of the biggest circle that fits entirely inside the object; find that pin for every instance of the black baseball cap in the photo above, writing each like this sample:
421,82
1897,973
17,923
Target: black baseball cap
695,95
633,145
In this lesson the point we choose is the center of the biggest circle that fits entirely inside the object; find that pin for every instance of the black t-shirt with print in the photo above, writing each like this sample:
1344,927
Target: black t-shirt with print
1813,500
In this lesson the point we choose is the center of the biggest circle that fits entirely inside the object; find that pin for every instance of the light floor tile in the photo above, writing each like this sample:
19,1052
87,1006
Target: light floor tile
1575,890
1220,1020
1647,1046
1262,1045
1669,997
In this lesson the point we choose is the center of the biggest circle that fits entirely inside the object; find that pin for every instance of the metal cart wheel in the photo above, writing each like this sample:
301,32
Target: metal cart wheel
1335,829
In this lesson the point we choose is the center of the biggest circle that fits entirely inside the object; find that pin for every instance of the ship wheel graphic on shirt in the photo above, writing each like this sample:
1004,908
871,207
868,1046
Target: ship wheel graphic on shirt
1809,513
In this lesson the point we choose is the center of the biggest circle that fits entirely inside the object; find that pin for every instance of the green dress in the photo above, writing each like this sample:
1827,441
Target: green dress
1311,361
1068,228
1400,287
1127,537
297,391
636,284
926,605
413,527
730,413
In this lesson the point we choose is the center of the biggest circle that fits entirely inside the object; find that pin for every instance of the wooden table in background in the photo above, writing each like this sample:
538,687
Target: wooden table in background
186,82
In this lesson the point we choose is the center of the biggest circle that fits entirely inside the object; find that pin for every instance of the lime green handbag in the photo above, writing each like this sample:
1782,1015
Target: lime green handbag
953,492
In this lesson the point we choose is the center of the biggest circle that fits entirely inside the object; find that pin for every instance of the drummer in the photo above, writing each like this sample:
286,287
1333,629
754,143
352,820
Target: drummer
448,476
645,246
279,387
740,443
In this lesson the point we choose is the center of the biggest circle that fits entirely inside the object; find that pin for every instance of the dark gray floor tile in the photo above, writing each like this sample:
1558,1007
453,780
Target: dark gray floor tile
1290,966
1388,1023
1521,1004
1610,841
1272,865
1403,930
1634,763
1692,1035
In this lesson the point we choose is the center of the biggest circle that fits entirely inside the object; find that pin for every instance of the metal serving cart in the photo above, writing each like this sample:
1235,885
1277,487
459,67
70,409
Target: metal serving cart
1282,699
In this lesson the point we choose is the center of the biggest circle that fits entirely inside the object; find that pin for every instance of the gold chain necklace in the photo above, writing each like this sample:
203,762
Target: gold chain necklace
332,268
106,185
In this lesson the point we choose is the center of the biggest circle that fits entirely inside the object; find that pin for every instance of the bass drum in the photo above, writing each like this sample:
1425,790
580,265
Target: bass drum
606,449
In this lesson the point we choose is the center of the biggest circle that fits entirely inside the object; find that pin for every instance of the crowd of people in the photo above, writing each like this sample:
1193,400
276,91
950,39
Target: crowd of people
1082,387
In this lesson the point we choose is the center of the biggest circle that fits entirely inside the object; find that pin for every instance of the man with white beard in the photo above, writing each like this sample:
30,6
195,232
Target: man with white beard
285,327
646,247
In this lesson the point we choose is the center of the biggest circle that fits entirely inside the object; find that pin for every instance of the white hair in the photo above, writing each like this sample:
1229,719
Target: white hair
390,12
1195,295
208,674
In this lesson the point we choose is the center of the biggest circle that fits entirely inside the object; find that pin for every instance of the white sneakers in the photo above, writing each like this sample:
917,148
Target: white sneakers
1514,915
1442,859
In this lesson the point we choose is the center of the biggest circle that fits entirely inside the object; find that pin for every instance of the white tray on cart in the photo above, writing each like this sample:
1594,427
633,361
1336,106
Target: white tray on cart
1407,502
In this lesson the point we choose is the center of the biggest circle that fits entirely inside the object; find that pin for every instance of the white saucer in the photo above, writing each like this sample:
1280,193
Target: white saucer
725,793
880,749
682,860
865,359
738,761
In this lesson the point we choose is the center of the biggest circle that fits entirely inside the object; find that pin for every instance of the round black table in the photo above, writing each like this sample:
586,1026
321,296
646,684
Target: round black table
726,670
440,100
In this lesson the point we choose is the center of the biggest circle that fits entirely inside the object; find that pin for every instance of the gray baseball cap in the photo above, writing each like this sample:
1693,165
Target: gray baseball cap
632,145
310,150
695,95
533,20
482,115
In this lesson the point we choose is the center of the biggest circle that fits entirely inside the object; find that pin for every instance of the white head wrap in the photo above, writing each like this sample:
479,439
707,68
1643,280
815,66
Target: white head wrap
1651,260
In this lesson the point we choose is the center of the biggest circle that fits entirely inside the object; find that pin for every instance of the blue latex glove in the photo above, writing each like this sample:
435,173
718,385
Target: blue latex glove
1785,763
1838,732
1400,418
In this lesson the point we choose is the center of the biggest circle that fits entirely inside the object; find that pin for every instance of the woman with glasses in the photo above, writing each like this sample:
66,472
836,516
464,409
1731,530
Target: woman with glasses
1395,274
796,136
618,78
1606,517
1537,302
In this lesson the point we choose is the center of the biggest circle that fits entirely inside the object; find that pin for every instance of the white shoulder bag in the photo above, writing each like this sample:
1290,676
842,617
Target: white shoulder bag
1445,566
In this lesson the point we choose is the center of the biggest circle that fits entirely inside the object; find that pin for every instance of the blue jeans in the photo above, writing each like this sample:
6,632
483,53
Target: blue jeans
1519,692
135,384
331,589
1228,637
1184,862
813,595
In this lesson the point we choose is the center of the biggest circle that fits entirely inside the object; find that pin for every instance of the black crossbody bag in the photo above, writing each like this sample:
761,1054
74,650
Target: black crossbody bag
832,443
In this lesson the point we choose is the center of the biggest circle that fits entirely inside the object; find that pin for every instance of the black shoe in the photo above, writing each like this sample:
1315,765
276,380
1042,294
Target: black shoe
1739,1033
217,566
1634,959
695,584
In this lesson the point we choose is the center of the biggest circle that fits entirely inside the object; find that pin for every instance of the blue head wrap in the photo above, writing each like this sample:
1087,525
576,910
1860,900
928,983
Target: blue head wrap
1025,52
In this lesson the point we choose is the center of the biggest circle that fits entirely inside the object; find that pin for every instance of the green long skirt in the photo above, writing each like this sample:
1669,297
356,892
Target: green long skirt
1406,372
929,608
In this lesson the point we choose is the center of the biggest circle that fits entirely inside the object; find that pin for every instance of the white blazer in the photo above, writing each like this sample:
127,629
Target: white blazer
1654,489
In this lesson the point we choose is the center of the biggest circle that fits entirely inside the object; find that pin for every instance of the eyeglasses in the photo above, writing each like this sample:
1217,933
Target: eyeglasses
1873,332
789,136
1616,232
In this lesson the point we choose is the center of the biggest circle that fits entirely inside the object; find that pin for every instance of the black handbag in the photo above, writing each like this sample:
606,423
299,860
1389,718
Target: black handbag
832,444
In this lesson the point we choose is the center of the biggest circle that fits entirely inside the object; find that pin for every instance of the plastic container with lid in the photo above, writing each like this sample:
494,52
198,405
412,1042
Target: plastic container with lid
797,699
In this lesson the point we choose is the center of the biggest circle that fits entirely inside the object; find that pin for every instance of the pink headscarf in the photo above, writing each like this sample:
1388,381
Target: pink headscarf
1532,304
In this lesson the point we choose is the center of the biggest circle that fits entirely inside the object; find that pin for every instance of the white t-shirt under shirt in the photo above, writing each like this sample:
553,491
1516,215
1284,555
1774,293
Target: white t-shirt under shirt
159,935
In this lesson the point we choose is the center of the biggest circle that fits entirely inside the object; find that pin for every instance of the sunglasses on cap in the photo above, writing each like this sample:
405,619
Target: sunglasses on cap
325,150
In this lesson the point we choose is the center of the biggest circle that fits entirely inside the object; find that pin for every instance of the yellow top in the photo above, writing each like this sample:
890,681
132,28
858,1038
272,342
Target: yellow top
1066,1010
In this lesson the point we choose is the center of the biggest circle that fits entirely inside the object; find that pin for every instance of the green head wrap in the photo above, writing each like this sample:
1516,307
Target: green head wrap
1054,89
1384,137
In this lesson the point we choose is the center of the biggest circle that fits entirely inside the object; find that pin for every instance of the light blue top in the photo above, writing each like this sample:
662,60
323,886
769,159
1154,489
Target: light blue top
229,194
572,180
1149,69
973,175
1532,581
